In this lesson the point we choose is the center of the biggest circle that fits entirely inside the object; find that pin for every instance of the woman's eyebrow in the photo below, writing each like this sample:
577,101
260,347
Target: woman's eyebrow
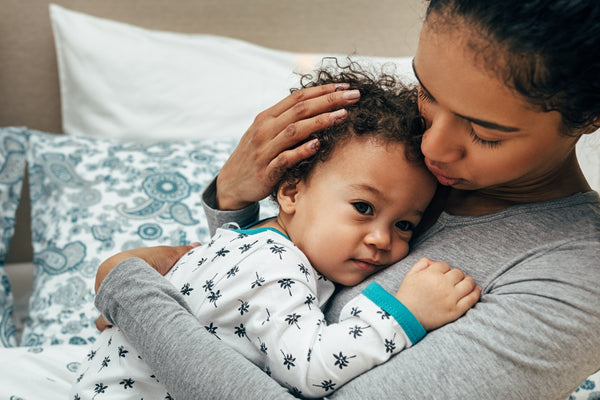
476,121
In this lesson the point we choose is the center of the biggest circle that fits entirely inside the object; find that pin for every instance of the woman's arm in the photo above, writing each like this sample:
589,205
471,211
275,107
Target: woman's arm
216,218
190,362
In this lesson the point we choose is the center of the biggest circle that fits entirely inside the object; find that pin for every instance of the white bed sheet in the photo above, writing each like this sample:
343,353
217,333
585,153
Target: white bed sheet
36,373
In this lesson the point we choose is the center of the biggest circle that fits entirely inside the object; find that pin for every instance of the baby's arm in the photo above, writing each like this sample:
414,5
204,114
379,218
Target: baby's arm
437,294
314,359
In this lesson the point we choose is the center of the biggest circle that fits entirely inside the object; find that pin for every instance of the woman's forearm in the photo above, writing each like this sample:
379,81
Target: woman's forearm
190,362
216,218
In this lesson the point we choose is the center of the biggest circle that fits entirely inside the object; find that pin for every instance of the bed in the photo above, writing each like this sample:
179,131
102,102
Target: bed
116,113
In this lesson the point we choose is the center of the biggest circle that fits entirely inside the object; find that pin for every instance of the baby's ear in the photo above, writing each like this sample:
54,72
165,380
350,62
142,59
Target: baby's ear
287,196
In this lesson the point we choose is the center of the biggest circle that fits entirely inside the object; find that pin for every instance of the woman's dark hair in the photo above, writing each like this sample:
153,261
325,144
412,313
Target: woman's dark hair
546,50
387,111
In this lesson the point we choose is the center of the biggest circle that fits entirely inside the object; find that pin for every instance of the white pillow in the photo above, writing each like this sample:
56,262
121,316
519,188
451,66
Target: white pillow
122,81
588,155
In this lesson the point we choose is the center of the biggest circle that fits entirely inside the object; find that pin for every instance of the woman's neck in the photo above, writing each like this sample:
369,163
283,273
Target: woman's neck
566,182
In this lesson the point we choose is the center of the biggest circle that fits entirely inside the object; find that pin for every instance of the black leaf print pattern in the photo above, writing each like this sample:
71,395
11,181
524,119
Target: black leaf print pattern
212,330
286,283
209,284
390,344
189,253
268,317
341,360
214,296
91,355
104,363
357,331
384,314
127,383
241,235
122,352
321,277
355,311
240,331
288,360
233,271
304,271
99,388
279,250
220,253
186,289
310,300
247,246
263,346
292,319
244,307
258,282
327,385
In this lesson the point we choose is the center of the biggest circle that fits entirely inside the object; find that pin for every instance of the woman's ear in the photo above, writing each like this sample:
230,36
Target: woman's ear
287,195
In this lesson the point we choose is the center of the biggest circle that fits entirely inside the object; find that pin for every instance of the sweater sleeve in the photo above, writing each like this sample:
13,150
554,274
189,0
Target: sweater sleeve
190,362
217,218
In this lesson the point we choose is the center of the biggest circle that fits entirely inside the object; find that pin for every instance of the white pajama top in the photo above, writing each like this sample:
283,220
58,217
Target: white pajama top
256,291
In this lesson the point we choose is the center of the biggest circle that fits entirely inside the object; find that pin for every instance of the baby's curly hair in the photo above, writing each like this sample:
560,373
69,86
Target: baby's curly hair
387,111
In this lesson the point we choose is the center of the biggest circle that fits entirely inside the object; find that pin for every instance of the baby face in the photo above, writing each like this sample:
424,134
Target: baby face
356,212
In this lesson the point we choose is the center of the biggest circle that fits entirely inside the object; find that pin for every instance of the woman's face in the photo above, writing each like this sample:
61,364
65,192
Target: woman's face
481,135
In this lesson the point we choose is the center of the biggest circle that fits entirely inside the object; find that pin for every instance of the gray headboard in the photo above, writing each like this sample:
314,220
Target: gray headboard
29,91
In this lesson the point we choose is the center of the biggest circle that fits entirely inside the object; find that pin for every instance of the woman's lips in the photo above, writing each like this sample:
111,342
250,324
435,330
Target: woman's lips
443,179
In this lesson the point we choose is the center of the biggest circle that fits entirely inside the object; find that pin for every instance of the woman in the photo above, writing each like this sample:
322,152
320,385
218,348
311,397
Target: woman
507,89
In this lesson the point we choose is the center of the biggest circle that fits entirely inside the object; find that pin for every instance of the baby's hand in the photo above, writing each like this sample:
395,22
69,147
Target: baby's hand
437,294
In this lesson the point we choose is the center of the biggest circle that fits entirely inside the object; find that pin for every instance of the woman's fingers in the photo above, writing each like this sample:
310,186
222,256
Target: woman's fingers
161,258
270,145
307,94
102,323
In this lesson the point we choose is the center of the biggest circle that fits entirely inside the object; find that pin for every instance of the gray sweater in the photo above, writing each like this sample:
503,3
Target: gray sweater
533,335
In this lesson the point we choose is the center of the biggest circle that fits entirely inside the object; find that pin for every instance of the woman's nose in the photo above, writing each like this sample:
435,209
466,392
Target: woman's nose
443,140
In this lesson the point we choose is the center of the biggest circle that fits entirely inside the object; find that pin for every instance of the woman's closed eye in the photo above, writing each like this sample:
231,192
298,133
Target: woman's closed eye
479,140
363,207
424,95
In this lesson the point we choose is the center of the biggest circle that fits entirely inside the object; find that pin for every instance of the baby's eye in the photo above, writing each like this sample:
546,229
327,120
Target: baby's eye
405,225
363,208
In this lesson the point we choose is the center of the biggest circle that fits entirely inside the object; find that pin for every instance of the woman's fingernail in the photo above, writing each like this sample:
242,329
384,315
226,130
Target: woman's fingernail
351,94
342,86
314,145
338,115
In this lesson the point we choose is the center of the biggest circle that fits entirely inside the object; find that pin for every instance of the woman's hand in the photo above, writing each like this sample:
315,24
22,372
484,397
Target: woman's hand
269,146
161,258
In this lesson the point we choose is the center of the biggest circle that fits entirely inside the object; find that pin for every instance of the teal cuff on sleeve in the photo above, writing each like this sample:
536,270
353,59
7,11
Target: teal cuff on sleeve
391,305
